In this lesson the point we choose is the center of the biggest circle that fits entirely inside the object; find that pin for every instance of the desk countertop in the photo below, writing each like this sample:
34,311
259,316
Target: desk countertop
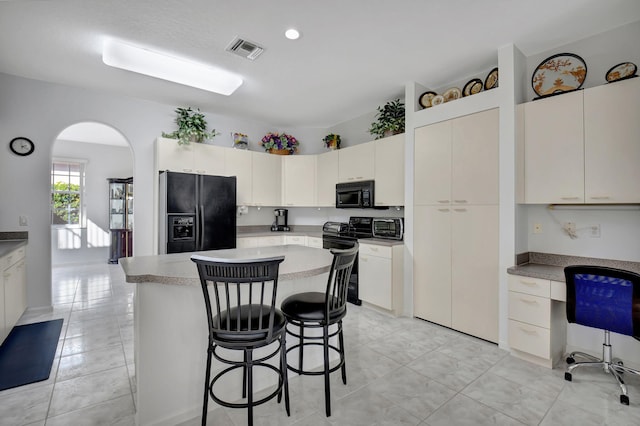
178,269
551,266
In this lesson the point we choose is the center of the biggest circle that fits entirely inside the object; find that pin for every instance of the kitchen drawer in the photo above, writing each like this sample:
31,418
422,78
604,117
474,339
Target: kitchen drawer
533,286
374,250
300,240
530,338
530,309
12,257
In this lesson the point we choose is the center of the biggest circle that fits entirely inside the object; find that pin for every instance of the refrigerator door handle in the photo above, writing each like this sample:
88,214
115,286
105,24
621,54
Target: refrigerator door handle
201,232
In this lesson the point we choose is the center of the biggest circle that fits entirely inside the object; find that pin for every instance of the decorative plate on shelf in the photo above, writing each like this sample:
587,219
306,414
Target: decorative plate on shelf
559,73
621,71
452,94
426,98
492,79
437,100
467,89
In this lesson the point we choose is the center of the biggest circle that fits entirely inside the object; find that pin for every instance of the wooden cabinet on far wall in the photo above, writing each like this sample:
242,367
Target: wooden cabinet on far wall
267,179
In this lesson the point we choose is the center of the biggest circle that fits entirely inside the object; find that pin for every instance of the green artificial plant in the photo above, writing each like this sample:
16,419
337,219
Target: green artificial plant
192,127
390,120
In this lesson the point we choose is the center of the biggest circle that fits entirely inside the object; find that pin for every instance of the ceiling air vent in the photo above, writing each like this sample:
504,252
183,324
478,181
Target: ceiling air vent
246,49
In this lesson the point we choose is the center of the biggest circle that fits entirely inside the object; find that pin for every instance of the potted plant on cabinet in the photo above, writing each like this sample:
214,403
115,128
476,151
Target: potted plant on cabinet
192,127
332,141
280,143
390,120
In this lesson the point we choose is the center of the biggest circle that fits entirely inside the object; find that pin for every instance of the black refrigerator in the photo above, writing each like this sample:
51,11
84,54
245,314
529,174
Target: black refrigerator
197,212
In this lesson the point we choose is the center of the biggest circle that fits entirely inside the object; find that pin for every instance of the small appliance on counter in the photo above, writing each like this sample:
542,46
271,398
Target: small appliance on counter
280,224
390,228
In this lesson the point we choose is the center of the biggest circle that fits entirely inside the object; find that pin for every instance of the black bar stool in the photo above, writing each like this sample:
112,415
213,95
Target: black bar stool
321,310
245,318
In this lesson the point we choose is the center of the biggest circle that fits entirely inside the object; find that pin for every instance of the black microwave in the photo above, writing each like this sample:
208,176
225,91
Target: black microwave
355,195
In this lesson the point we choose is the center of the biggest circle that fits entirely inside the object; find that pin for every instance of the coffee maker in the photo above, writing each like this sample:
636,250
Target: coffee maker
280,223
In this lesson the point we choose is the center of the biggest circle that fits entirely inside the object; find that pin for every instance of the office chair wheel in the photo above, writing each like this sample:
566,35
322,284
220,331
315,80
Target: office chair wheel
570,360
567,377
624,399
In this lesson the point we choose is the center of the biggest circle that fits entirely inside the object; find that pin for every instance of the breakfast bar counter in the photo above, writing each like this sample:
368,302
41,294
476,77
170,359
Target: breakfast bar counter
170,326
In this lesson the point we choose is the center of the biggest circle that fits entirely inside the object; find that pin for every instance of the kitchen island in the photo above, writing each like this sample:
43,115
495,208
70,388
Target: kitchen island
170,326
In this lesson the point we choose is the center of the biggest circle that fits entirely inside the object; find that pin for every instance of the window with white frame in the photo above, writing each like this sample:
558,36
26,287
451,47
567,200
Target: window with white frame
67,188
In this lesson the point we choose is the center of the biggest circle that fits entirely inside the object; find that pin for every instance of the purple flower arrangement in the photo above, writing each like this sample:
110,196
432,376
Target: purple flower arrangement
280,141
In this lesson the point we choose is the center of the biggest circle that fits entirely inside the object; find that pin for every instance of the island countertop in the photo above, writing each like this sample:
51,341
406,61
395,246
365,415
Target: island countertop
178,269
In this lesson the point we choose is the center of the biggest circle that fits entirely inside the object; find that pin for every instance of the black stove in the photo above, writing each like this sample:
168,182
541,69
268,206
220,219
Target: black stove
342,235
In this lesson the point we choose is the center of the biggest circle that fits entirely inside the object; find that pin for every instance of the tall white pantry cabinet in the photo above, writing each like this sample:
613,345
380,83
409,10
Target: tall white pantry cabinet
456,224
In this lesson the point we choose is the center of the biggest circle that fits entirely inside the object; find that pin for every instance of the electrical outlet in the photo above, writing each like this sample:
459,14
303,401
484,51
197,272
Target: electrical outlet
537,228
595,231
23,221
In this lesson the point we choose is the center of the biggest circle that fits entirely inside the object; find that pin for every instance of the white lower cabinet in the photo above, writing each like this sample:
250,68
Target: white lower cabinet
380,276
315,242
13,290
537,322
300,240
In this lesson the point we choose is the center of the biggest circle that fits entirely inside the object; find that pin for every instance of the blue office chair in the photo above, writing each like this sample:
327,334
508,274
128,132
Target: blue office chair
608,299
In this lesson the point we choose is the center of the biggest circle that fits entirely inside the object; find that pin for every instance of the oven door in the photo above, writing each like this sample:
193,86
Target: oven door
339,242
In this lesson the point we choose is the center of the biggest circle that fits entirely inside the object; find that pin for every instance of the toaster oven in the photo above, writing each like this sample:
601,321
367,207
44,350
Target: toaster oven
391,228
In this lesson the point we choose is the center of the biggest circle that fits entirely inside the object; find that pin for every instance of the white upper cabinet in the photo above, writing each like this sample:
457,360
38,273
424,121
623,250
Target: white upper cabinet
389,171
267,179
173,157
356,163
299,180
238,163
208,159
326,178
474,178
554,149
612,142
432,156
456,161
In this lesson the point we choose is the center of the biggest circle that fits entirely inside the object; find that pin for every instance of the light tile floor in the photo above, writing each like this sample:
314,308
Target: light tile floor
400,371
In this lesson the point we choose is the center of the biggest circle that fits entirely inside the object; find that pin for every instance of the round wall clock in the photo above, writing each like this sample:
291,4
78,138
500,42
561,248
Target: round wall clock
21,146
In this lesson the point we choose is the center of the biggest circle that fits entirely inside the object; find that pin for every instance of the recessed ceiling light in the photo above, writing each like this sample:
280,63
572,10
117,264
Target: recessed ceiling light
144,61
292,34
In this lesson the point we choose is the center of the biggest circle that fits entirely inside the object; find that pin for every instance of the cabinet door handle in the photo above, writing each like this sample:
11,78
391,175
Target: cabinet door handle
530,332
529,302
443,201
530,283
601,198
569,198
460,201
443,210
460,210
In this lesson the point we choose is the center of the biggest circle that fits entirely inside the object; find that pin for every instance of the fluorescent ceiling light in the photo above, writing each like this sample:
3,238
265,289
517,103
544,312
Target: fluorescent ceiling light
144,61
292,34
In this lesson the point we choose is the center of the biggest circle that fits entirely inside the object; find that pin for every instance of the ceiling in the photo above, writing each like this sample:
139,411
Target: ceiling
353,55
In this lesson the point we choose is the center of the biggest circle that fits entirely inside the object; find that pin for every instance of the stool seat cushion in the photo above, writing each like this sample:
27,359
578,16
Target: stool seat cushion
309,307
237,331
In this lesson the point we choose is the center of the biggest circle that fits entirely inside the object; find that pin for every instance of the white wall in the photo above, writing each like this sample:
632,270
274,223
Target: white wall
90,244
40,111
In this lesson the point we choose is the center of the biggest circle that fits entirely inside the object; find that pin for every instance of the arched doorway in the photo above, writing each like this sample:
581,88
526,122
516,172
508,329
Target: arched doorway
84,156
